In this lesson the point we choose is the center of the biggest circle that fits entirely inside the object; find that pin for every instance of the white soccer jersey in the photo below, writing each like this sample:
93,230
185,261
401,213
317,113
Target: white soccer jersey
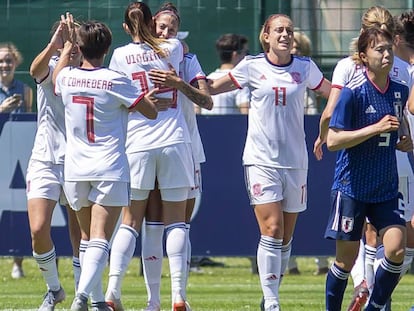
190,70
276,135
96,116
345,71
50,140
228,102
135,60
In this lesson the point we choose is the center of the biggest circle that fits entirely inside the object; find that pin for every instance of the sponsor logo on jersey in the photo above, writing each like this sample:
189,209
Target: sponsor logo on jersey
370,109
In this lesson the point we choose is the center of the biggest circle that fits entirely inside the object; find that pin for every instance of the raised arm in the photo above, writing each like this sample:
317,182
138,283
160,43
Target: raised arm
70,54
39,68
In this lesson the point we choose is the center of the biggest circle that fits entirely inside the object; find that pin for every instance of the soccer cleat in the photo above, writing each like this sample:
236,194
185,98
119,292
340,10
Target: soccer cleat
273,307
101,306
152,306
17,272
179,303
114,303
387,306
51,298
80,303
187,306
361,294
262,304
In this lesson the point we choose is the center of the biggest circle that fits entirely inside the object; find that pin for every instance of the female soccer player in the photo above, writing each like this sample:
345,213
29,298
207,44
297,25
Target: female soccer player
45,171
157,150
275,156
364,129
97,103
192,88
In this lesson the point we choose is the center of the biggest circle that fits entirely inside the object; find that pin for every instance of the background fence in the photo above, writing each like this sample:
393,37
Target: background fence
329,23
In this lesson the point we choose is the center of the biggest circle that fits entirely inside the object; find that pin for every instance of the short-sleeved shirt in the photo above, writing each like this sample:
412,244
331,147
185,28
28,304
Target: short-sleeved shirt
96,114
135,60
368,171
276,135
50,140
190,71
228,102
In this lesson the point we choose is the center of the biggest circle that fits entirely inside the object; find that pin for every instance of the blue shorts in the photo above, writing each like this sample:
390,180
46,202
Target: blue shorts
347,216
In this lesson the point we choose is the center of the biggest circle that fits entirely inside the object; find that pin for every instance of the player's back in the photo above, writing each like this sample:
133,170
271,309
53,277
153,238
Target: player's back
96,115
135,60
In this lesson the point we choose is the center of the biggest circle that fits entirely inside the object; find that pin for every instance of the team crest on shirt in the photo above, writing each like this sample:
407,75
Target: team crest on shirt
296,77
257,190
347,224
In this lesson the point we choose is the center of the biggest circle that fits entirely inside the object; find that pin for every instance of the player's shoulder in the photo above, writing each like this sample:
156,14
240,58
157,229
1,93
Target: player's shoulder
254,57
357,82
398,84
301,59
115,73
190,55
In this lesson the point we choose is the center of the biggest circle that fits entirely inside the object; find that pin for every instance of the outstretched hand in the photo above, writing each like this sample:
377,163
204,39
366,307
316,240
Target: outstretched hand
168,78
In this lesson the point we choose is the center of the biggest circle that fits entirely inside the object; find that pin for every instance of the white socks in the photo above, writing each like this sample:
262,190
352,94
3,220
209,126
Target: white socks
123,247
48,267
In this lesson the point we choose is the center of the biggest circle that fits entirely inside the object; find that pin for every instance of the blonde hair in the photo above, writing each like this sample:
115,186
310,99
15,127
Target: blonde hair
375,17
303,43
139,20
18,58
265,29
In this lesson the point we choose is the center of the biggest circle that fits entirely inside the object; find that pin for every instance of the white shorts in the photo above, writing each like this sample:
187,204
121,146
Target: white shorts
269,184
198,187
106,193
172,166
45,180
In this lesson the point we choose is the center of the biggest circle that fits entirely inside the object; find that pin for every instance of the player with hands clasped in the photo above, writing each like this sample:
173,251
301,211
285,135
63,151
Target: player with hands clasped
365,128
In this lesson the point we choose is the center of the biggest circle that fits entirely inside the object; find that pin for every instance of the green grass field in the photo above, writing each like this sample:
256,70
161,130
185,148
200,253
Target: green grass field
232,287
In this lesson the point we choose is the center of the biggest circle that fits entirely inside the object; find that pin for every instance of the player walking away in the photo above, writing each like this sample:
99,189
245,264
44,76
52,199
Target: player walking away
157,150
275,156
45,172
364,126
192,88
97,102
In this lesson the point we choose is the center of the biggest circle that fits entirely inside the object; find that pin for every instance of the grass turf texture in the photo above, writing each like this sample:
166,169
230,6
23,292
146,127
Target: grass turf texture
232,287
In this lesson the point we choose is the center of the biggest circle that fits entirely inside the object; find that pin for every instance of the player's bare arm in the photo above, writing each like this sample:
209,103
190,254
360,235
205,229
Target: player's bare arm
338,139
39,68
324,123
221,85
147,106
410,102
197,93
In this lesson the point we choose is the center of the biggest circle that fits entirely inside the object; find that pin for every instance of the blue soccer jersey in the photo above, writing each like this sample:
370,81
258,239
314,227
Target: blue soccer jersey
368,171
